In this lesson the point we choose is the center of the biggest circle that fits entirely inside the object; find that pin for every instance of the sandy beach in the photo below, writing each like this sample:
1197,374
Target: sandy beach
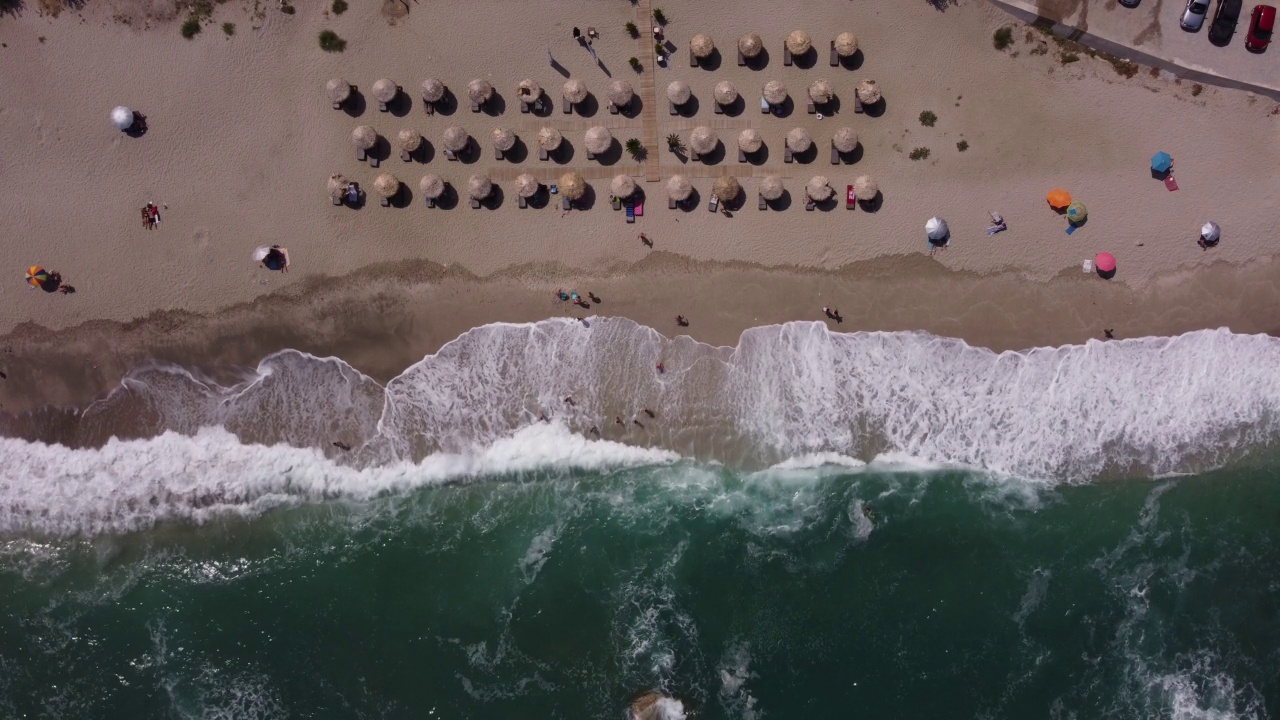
242,141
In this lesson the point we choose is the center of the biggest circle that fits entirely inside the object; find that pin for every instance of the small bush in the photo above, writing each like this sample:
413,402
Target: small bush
659,49
635,148
962,145
659,16
1003,38
287,9
1069,57
1196,89
190,28
635,64
632,30
330,42
1124,68
229,28
927,118
339,6
919,153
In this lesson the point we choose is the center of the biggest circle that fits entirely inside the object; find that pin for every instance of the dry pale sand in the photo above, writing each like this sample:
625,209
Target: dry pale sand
242,142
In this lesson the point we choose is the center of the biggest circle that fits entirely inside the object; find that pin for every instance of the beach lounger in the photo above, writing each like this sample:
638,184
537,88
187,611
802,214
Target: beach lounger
524,107
719,109
497,154
742,59
671,203
361,155
405,156
693,59
382,107
523,202
373,161
475,204
542,153
475,106
835,58
786,55
353,193
337,106
835,155
564,203
809,204
631,213
430,107
566,106
742,156
811,108
787,156
1170,183
386,202
337,199
451,155
762,204
693,154
613,109
591,155
672,105
764,105
713,204
857,104
617,203
431,202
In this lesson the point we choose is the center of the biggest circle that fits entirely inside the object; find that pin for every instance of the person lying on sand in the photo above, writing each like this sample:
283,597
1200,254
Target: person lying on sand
682,321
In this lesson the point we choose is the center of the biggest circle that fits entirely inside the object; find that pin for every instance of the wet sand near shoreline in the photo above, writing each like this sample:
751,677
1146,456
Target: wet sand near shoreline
385,318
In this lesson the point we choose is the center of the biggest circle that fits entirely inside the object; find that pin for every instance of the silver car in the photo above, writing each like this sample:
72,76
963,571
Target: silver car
1193,16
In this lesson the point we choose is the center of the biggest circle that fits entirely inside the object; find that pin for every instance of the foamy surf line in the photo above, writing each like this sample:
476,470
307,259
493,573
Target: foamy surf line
130,485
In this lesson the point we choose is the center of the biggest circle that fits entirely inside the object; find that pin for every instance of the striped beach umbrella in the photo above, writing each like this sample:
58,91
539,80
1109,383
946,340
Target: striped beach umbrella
1076,212
37,276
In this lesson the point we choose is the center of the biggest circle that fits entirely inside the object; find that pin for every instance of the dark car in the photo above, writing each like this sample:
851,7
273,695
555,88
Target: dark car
1224,21
1260,26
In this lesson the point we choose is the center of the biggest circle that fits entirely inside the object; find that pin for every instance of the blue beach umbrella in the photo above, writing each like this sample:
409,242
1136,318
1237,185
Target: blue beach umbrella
1161,162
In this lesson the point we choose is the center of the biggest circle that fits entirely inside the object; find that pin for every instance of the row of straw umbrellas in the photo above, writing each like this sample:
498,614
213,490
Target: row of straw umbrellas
798,42
455,139
573,186
620,92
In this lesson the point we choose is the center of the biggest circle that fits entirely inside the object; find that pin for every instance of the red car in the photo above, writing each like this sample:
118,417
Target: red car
1260,26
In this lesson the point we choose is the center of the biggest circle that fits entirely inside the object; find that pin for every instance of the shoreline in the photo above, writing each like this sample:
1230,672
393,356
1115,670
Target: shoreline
382,328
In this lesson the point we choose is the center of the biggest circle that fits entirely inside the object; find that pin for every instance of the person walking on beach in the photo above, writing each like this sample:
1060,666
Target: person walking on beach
645,239
649,412
661,368
1107,334
569,401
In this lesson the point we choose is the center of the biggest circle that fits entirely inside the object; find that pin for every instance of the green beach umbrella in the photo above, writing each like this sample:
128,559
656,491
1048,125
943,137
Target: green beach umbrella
1076,212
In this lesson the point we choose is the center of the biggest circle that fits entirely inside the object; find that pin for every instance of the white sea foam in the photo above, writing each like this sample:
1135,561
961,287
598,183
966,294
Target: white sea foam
794,397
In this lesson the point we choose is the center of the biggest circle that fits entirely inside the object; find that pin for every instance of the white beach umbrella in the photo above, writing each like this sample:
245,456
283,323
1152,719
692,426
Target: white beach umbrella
750,45
598,140
574,90
121,118
845,139
775,93
866,188
868,92
799,42
846,44
1210,232
771,187
338,90
703,140
432,90
936,229
702,46
260,253
385,91
679,188
819,188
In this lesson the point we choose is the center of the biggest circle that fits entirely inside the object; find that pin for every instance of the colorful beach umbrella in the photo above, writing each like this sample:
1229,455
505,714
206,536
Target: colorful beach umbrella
1161,162
37,276
1058,199
1105,262
1076,212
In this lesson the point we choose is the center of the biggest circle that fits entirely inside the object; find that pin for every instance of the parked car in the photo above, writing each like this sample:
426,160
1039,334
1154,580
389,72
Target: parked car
1224,21
1130,3
1193,16
1260,25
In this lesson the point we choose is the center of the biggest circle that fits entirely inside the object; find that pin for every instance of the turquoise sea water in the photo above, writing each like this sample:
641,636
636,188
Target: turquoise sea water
824,592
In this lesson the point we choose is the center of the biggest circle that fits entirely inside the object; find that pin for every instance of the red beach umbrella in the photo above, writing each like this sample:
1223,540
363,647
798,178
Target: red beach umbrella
1105,262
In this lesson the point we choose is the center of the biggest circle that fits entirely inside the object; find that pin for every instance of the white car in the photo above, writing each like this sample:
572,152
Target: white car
1193,16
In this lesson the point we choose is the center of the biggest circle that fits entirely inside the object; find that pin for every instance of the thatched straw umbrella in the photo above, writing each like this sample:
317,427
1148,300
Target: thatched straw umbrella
337,186
866,188
384,91
409,140
549,138
620,93
598,140
679,188
387,185
703,140
702,46
528,91
775,93
623,186
725,92
479,187
572,185
821,92
432,90
431,186
503,139
479,91
868,92
798,140
678,92
455,138
727,188
527,185
799,42
846,44
750,45
364,137
771,187
749,140
338,90
845,139
819,188
574,90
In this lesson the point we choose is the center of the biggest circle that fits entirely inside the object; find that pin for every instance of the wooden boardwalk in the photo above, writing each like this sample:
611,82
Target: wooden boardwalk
648,92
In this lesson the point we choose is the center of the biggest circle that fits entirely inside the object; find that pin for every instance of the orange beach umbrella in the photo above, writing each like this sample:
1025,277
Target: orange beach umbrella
37,276
1058,198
